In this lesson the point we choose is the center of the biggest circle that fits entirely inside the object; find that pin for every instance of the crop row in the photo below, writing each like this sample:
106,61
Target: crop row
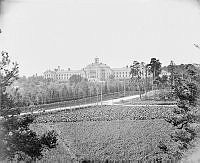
108,113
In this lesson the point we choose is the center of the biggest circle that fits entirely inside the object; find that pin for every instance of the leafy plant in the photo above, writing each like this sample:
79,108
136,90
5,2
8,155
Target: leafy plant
184,117
18,142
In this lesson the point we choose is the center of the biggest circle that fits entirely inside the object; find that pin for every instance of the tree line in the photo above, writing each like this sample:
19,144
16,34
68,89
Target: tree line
36,90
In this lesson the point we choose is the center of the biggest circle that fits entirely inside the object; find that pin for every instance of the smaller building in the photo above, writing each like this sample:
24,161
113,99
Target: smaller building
121,73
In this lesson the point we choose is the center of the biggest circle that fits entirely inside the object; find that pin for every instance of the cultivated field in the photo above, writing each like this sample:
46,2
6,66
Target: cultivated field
108,132
107,113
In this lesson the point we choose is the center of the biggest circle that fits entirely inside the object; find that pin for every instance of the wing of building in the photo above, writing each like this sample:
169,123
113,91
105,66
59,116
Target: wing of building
60,74
121,73
94,72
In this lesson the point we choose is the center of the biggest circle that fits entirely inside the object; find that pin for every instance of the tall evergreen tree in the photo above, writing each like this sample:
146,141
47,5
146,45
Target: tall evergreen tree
184,117
155,67
17,140
136,74
171,69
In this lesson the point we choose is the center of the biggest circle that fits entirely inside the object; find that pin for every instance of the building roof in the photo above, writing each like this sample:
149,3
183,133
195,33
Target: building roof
97,65
121,69
49,71
70,71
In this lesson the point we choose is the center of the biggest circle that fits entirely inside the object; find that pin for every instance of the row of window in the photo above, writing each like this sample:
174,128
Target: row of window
60,75
121,73
121,76
91,76
95,75
67,76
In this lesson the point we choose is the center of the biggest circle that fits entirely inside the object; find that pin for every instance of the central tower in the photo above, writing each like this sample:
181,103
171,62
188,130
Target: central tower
96,60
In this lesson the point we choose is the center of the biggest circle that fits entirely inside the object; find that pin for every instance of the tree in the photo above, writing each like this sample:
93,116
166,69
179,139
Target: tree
147,75
161,81
171,69
18,142
75,79
7,76
191,72
155,67
136,73
184,117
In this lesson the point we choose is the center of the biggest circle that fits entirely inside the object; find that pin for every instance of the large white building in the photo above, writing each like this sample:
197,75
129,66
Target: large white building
60,74
93,72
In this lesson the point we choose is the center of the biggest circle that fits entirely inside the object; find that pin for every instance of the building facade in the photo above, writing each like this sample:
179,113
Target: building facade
97,71
94,72
121,73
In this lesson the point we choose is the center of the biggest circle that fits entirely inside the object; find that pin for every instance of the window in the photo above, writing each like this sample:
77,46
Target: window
92,73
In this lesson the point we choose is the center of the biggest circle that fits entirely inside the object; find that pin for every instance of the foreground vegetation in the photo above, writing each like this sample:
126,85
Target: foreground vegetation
17,141
114,140
109,132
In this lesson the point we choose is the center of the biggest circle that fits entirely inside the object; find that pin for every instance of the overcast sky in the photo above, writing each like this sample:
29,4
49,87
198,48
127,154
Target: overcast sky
42,34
